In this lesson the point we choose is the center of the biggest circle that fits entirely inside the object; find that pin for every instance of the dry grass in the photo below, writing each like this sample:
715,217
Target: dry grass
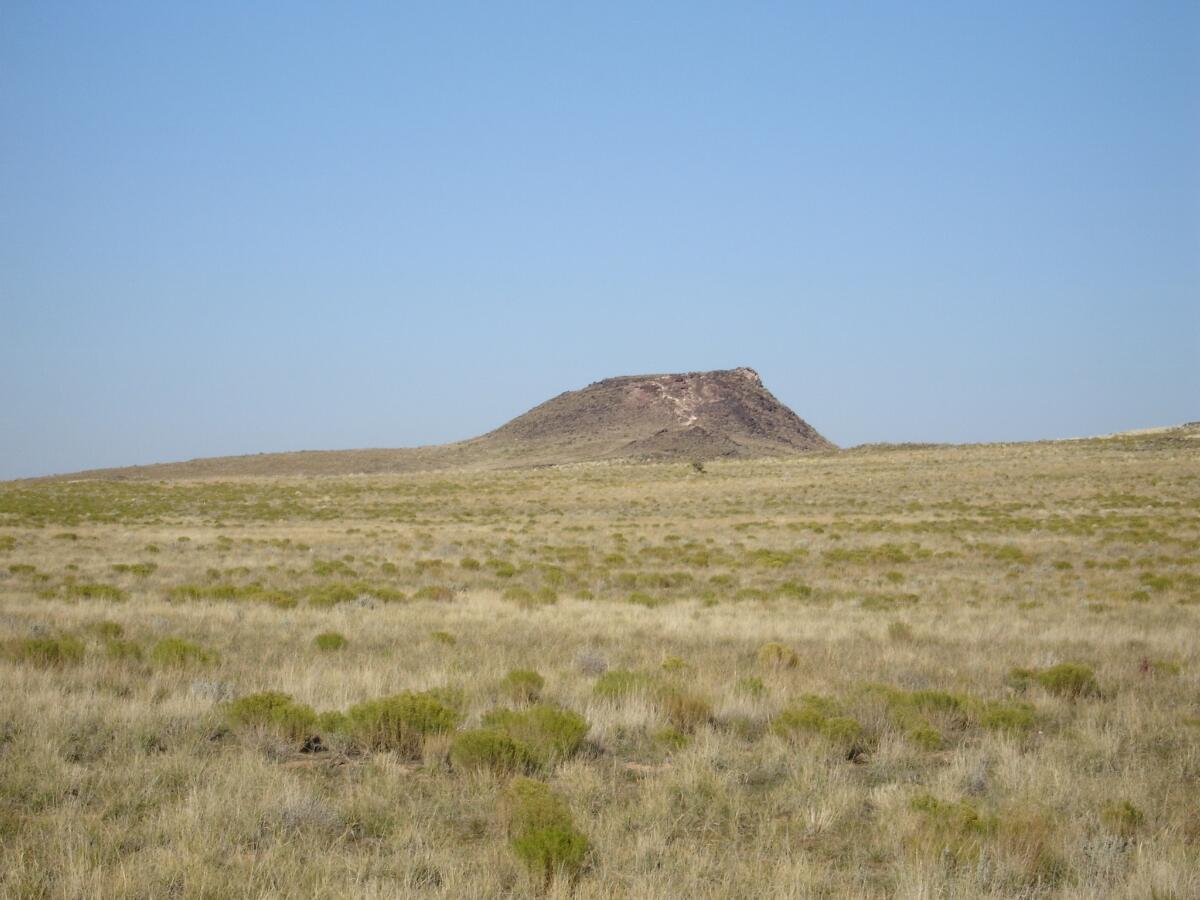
888,749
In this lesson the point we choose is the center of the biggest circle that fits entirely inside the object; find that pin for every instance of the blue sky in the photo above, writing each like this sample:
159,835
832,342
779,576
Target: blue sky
233,228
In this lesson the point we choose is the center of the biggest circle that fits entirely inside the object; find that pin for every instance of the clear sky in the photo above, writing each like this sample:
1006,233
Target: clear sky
242,227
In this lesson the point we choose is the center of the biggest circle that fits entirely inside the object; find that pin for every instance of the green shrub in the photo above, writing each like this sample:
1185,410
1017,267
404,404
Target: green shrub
489,748
117,648
816,715
273,711
1011,553
774,655
900,632
670,737
435,592
141,570
332,721
1155,582
542,832
752,685
278,599
522,596
444,637
795,590
1149,666
522,685
1000,716
330,640
399,722
95,591
673,664
1066,679
551,733
882,554
177,652
106,629
50,651
331,594
469,563
327,567
621,682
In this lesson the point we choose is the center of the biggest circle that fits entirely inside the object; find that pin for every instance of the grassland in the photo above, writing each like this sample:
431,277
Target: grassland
913,672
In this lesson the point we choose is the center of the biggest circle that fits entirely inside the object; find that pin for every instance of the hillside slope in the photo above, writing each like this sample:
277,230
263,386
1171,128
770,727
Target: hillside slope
694,415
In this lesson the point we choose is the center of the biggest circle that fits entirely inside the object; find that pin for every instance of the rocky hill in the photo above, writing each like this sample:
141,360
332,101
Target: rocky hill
689,416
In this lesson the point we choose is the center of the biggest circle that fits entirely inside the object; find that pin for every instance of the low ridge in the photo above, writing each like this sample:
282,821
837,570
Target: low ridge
693,415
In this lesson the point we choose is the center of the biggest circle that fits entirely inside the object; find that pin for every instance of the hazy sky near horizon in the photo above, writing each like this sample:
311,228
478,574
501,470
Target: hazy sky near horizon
233,228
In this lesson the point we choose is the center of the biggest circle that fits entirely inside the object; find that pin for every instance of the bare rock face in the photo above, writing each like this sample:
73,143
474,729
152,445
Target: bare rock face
698,415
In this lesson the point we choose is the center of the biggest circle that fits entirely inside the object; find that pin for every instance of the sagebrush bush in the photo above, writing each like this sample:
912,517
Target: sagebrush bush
814,714
400,722
49,651
670,737
332,721
522,685
177,652
490,748
1068,679
1004,716
522,596
444,637
550,732
1064,680
273,711
542,832
330,640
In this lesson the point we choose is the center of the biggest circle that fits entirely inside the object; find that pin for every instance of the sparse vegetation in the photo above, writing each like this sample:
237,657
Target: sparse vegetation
274,711
522,685
176,652
400,722
330,640
886,672
542,830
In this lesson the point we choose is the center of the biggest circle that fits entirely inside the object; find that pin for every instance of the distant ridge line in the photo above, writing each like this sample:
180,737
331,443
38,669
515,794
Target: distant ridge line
726,413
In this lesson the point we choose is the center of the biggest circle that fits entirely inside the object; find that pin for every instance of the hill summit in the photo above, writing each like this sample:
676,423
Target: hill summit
689,416
701,415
